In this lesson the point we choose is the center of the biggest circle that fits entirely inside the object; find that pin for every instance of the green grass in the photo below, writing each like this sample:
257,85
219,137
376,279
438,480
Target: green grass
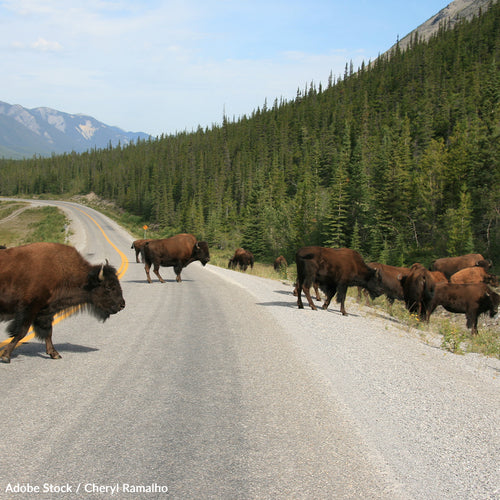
31,225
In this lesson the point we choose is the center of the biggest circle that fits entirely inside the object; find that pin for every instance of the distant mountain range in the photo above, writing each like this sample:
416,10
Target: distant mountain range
44,131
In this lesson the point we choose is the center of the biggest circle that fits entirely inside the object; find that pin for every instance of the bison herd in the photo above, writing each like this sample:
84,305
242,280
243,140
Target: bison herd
459,284
41,279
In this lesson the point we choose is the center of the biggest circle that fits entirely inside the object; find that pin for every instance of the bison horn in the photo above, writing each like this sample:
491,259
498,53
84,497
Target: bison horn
101,273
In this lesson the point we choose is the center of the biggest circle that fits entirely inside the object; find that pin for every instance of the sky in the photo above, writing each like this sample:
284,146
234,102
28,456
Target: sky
168,66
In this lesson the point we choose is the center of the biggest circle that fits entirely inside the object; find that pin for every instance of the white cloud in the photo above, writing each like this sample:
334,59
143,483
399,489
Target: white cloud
46,46
40,45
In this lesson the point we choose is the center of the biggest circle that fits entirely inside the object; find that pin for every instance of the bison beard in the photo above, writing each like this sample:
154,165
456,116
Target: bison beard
39,280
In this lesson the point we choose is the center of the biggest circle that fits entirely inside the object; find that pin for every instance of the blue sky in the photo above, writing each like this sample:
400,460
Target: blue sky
163,66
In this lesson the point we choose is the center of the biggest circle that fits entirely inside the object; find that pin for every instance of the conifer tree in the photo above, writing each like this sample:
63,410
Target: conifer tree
336,218
460,231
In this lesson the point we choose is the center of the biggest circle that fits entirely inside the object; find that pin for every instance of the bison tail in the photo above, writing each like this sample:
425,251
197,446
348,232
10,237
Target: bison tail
146,257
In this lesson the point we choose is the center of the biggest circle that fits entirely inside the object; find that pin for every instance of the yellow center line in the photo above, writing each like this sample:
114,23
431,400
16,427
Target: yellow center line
70,311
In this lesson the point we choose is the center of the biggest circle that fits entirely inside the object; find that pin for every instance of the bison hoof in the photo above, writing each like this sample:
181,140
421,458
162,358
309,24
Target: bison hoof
55,355
5,359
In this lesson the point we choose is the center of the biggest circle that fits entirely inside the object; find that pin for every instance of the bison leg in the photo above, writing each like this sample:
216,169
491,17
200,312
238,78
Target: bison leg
298,292
342,291
156,270
18,330
328,299
307,293
43,330
472,322
330,292
177,270
316,291
147,268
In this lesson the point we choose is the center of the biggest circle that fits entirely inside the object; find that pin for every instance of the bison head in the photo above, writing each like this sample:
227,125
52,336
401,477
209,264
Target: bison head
374,283
105,292
495,301
491,279
200,252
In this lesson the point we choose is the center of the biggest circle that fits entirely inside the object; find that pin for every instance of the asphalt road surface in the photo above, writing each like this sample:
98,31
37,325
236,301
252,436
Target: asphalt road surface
219,387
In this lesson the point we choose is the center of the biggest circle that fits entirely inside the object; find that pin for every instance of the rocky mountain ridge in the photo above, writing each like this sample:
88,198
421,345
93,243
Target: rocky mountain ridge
454,12
45,131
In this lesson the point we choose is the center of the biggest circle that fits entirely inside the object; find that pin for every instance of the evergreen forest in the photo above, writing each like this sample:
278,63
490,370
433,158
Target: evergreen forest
399,159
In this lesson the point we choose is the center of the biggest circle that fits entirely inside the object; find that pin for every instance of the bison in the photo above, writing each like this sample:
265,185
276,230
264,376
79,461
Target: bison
438,277
242,258
389,281
41,279
450,265
177,251
138,246
471,299
280,263
474,275
418,290
334,270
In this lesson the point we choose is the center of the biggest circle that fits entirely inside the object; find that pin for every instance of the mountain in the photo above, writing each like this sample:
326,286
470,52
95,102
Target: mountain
44,131
454,12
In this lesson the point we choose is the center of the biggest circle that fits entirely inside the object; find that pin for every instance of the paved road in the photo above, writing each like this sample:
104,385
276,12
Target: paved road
220,388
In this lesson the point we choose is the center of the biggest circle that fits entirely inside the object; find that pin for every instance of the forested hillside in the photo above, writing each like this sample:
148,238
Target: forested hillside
399,159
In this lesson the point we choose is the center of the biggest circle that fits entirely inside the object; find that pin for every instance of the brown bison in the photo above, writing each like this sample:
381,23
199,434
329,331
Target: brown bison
41,279
439,277
334,270
389,281
471,299
138,246
474,275
242,258
450,265
280,263
177,252
418,290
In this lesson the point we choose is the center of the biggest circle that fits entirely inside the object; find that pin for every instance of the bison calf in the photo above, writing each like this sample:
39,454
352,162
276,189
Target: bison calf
471,299
41,279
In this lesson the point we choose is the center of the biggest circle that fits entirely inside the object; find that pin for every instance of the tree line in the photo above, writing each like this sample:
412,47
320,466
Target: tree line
399,160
